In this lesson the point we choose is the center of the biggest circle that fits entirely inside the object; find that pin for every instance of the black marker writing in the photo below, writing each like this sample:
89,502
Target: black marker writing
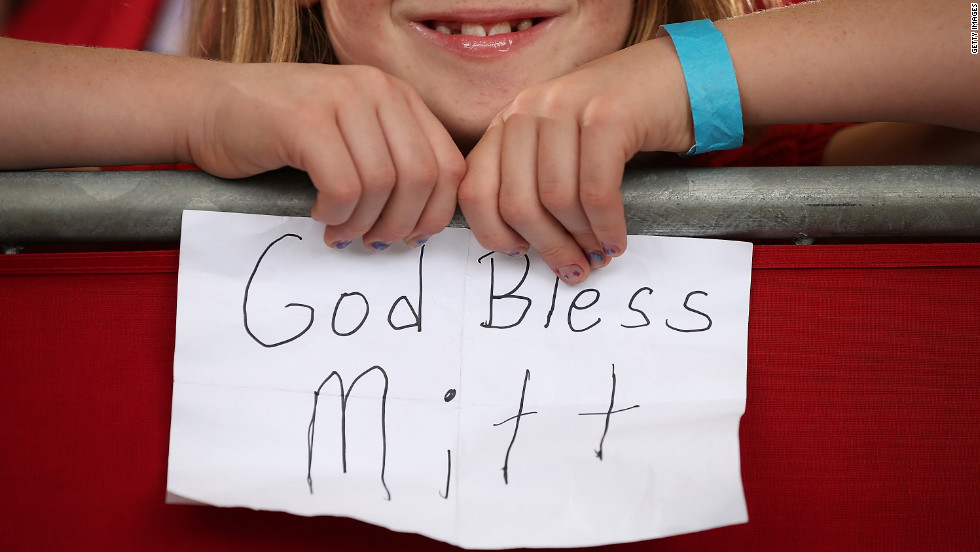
336,308
248,287
608,413
449,472
509,295
575,306
344,395
450,395
517,424
646,320
554,299
417,315
686,306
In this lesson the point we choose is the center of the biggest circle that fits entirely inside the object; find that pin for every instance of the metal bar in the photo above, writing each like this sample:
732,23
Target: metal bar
746,203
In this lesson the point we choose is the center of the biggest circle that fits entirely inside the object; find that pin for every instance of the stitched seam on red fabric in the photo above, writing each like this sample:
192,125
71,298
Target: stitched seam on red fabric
789,257
90,263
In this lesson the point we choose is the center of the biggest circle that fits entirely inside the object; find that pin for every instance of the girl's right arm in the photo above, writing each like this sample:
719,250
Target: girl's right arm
384,167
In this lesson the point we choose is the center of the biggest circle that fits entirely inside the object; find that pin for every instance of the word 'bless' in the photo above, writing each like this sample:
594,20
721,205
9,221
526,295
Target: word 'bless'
576,317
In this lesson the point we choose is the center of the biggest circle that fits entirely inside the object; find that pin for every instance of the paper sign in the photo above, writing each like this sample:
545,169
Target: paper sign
459,393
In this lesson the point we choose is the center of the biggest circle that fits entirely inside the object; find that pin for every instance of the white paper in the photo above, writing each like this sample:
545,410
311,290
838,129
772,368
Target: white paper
417,428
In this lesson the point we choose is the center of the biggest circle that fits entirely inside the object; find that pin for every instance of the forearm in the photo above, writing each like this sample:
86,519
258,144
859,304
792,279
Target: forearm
847,60
63,106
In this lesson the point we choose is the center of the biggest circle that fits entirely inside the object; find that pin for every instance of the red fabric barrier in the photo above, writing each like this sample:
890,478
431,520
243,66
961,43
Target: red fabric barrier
861,431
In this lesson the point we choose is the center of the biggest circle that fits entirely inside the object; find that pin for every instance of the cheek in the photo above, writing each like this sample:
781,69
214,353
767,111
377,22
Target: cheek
354,27
609,24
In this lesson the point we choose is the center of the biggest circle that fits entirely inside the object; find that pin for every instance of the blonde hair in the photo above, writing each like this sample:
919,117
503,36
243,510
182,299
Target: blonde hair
245,31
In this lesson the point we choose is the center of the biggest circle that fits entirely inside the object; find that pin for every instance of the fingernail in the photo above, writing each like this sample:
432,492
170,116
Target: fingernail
610,250
596,259
514,253
341,244
379,246
417,242
572,274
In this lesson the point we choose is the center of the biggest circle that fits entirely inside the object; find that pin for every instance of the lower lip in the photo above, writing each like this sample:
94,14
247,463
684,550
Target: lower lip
483,46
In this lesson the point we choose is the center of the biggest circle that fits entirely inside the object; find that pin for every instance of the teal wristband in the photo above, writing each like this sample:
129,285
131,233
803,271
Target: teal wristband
711,85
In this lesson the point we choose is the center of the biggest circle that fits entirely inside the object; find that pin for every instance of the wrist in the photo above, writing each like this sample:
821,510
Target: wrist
202,82
709,76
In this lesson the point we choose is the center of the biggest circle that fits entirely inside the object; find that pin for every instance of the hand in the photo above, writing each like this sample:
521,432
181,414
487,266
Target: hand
547,171
384,168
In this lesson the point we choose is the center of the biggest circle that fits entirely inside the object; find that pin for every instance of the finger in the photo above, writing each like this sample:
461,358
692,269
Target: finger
368,148
521,207
450,169
416,172
436,215
478,196
441,207
558,187
334,175
600,177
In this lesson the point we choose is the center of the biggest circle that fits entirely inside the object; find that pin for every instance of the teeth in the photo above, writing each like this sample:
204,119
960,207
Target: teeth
473,29
499,28
480,29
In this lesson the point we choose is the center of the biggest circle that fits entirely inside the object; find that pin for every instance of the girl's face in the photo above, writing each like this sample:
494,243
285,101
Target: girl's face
469,58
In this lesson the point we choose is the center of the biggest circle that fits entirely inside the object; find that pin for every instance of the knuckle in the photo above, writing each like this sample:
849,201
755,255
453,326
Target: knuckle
372,76
555,197
603,110
471,195
557,100
454,169
593,196
552,250
357,227
586,239
526,101
381,178
515,211
340,193
422,177
433,221
496,241
542,99
393,231
517,118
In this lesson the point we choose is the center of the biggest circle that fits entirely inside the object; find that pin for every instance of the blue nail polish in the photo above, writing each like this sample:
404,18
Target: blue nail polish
379,246
420,241
341,244
596,259
609,250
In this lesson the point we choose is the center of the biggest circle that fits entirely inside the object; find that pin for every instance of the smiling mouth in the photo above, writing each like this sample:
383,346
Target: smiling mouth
481,29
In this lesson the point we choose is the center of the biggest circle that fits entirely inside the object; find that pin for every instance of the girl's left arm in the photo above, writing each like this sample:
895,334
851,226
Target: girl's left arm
547,172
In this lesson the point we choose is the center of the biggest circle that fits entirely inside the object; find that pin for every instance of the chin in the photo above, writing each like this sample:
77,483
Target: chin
466,132
466,112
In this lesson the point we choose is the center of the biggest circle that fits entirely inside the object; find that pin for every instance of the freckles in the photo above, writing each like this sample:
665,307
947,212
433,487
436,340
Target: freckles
609,23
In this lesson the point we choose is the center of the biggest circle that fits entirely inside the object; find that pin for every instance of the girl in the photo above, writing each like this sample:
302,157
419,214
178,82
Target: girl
541,94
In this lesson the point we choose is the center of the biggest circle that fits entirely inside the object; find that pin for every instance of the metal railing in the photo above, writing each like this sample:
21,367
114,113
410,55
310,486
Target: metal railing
762,203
